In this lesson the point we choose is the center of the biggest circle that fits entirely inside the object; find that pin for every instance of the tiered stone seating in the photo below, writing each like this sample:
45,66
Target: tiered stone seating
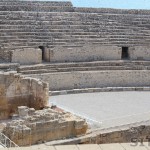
84,66
17,5
98,76
32,24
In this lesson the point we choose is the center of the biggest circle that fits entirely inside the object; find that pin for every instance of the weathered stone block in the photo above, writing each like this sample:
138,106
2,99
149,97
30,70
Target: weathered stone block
35,128
27,56
17,90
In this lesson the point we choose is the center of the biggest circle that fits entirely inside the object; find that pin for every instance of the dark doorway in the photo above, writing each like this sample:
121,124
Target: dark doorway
43,49
125,53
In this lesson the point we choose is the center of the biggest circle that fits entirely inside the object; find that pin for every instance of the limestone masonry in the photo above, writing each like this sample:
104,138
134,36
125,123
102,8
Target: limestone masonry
16,90
27,56
35,127
65,33
74,45
53,47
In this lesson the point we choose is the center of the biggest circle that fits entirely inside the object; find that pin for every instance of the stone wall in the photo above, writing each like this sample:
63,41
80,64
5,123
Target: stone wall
47,54
16,90
5,56
135,133
85,53
94,79
35,127
94,53
139,53
27,56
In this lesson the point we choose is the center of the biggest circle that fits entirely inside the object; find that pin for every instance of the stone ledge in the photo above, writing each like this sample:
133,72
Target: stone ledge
93,90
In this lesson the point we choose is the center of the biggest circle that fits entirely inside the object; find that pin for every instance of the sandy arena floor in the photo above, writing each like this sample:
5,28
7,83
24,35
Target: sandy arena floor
107,109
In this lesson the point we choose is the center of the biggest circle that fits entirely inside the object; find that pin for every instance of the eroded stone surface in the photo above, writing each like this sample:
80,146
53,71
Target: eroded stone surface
16,90
27,56
43,125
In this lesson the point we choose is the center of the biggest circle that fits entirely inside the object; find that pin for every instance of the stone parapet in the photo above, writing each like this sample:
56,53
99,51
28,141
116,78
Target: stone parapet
95,79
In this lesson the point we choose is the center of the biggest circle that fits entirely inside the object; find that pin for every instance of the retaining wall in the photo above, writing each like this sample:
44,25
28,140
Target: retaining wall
95,79
85,53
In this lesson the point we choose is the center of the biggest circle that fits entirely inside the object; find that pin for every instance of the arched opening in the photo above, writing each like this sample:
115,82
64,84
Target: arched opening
43,49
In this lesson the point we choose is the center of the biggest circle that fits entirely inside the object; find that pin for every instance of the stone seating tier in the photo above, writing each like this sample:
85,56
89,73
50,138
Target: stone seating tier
76,33
69,26
36,8
111,10
46,3
84,66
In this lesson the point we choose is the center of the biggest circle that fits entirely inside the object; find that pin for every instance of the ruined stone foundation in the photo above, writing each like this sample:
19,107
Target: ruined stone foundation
43,125
17,90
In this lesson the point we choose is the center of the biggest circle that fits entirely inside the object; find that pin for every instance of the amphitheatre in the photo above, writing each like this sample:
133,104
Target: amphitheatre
73,76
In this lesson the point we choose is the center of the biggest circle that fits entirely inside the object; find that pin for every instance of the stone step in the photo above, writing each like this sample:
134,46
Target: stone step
111,11
66,39
49,24
81,34
56,19
85,64
46,3
26,24
55,16
38,71
36,8
79,39
9,66
68,25
60,17
70,45
15,48
75,44
70,69
84,29
75,33
94,15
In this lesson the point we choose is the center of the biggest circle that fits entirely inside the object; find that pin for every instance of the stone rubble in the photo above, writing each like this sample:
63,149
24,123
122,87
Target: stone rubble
33,127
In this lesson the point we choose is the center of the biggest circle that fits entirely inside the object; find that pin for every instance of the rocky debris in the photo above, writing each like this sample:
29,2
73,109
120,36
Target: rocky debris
34,126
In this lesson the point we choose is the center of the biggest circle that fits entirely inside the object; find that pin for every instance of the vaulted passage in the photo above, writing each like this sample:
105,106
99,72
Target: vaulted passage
125,54
43,49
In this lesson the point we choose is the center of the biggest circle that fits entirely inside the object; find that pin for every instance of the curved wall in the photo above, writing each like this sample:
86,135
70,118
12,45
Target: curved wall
16,90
